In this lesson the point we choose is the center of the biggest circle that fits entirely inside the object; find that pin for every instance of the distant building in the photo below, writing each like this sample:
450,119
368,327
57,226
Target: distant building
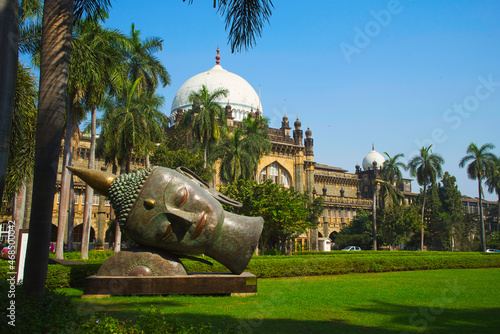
471,206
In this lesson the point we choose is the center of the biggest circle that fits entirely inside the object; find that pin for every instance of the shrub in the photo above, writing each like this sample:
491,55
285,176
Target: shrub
52,314
153,322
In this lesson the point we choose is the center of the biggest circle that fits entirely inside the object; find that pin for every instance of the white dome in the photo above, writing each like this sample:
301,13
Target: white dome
241,96
370,158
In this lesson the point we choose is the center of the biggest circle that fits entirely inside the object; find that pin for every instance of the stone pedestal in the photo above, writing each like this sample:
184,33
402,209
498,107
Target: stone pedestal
193,284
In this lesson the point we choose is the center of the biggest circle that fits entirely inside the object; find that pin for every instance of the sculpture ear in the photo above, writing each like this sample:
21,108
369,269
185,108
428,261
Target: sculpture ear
215,194
189,173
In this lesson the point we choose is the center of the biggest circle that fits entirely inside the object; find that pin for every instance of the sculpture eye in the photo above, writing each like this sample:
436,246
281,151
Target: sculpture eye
184,195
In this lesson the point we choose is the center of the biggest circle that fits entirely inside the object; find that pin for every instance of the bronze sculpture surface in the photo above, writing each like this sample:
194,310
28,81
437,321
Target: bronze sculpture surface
174,211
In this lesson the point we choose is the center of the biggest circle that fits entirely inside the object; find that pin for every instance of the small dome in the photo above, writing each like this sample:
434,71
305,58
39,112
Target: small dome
297,123
308,133
370,158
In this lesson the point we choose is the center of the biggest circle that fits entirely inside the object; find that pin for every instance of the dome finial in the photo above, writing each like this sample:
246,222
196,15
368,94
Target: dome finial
373,147
217,58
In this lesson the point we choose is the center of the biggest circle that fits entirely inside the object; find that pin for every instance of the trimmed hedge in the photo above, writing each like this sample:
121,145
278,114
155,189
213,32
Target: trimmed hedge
306,264
334,263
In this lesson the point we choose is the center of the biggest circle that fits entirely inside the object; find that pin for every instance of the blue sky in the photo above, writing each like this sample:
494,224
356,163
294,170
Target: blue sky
401,74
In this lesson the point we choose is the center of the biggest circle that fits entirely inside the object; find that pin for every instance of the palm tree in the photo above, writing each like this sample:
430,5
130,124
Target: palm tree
205,121
22,145
29,12
54,66
237,158
30,28
480,161
96,56
391,170
493,180
245,19
56,43
142,64
135,123
256,135
426,167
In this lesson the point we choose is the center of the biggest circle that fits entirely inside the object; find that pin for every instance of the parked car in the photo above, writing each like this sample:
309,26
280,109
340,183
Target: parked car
492,250
352,248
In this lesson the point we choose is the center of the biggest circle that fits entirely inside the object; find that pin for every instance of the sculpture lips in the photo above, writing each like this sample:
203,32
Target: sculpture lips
199,226
167,232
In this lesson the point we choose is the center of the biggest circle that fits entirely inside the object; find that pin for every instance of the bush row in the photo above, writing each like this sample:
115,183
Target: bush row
56,314
62,276
381,253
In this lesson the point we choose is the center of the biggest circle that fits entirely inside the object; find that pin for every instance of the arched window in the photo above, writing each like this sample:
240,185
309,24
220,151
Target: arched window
276,173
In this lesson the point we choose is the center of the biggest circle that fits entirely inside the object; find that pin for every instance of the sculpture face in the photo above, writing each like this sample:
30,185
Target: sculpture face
174,213
166,209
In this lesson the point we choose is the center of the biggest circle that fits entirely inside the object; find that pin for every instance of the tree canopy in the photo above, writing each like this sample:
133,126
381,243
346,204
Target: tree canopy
286,212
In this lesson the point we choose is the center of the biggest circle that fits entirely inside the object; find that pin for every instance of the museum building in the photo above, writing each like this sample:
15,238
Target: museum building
291,160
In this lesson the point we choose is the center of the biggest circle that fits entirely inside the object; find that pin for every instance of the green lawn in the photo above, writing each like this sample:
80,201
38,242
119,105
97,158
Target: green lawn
436,301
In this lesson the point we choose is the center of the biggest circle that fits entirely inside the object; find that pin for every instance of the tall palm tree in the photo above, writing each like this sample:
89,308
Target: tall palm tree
136,123
205,121
426,167
96,56
56,43
54,66
391,170
237,158
480,161
493,180
29,28
141,62
22,145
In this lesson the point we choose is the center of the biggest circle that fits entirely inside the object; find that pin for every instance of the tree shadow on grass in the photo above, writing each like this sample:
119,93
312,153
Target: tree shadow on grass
437,317
382,317
400,319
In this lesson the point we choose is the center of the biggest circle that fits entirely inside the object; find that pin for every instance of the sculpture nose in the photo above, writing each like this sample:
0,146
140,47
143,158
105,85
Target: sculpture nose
186,218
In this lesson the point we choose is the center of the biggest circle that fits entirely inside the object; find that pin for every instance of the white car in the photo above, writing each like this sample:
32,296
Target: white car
352,248
492,250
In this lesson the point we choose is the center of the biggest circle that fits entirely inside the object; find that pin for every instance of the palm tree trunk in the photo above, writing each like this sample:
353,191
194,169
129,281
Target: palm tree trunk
71,215
65,182
205,155
56,44
118,232
481,219
498,221
423,220
9,35
89,192
28,201
18,212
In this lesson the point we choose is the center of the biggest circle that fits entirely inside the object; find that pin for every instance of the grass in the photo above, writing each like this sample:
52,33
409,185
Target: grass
437,301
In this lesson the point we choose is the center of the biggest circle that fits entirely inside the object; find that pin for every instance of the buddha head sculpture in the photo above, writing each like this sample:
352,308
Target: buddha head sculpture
175,211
